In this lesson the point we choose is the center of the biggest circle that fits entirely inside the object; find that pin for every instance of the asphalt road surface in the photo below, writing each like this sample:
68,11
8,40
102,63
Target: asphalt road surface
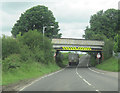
77,78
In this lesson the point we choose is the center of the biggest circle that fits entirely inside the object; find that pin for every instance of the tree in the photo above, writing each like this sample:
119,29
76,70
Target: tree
116,43
36,18
105,23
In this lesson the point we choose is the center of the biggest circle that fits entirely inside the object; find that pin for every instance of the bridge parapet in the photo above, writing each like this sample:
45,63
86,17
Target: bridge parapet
81,42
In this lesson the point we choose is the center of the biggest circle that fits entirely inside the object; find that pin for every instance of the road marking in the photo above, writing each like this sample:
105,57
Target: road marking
81,76
87,82
40,79
85,79
98,91
94,70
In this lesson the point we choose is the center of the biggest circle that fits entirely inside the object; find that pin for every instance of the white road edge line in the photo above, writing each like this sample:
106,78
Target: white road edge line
94,70
40,79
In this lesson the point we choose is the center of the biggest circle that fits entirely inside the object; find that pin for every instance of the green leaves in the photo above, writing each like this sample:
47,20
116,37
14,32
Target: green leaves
30,47
36,18
36,47
9,46
104,23
104,26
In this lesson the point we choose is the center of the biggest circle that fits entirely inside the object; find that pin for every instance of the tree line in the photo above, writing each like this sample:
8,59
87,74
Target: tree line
105,25
27,43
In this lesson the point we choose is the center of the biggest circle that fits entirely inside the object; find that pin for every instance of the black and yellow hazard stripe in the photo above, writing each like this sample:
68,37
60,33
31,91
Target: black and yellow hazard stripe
76,48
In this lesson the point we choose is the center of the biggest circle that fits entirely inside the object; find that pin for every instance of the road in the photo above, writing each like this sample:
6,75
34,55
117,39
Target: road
79,78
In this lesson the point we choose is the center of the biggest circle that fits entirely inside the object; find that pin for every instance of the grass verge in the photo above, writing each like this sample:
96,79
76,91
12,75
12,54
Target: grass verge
109,65
27,71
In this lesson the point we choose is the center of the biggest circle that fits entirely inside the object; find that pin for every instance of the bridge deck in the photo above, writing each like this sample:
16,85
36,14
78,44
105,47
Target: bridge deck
81,42
68,44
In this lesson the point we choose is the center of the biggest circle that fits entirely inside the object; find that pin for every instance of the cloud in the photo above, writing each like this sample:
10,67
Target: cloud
5,33
73,15
72,30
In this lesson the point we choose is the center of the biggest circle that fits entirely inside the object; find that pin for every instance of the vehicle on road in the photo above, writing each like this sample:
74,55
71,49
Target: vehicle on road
73,59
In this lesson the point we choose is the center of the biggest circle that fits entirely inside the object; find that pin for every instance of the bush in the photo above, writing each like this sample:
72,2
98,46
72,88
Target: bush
59,59
108,49
11,62
93,60
9,46
65,58
35,47
0,48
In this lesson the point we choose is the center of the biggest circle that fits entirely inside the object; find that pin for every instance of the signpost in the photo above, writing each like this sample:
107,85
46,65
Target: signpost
98,56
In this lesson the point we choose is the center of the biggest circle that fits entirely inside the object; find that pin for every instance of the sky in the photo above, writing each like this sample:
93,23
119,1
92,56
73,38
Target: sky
73,15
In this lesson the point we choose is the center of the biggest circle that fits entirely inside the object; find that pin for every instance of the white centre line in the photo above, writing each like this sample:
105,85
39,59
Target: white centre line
87,82
85,79
81,76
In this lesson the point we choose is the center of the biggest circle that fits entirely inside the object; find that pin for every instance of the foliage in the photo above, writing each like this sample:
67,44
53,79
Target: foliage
104,23
35,47
113,65
0,48
29,47
65,58
89,34
12,61
27,70
108,49
9,46
116,43
59,59
104,26
93,60
37,17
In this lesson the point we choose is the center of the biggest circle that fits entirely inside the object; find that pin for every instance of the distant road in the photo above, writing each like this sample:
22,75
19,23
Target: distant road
79,78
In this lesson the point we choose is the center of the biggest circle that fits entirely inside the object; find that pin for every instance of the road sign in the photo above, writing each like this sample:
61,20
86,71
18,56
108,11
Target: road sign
98,55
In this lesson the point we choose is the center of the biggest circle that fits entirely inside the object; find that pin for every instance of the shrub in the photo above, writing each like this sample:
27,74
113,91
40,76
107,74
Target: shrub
9,46
11,62
108,49
35,47
59,59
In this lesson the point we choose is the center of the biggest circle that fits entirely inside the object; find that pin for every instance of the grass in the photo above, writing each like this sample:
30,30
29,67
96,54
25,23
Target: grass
109,65
27,71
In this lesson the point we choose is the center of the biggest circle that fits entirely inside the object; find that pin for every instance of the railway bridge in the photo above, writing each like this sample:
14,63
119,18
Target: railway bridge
71,44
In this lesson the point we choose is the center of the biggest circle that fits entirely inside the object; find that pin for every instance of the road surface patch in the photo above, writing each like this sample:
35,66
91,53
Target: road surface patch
40,79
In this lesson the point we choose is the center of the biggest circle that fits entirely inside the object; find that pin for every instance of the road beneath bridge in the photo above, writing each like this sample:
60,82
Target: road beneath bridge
79,78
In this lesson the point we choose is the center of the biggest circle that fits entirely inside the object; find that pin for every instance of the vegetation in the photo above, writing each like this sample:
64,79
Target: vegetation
27,56
65,58
9,46
60,59
104,23
104,26
36,18
113,65
27,70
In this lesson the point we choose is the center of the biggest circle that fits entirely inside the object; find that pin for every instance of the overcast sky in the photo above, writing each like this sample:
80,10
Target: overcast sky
73,15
